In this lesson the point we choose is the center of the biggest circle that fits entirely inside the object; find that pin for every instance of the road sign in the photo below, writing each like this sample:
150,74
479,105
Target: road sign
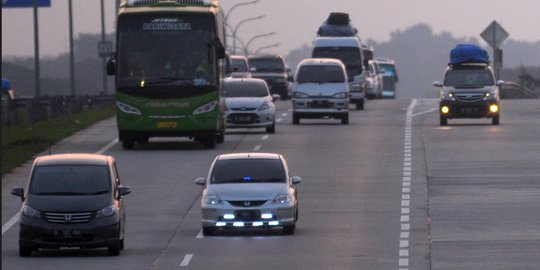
24,3
494,34
105,48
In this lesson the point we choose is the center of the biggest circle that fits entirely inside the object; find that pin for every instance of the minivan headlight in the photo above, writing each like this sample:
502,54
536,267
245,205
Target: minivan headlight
340,95
28,211
300,95
446,95
107,211
491,94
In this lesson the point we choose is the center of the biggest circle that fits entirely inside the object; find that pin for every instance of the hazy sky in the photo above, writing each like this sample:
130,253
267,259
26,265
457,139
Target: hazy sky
294,21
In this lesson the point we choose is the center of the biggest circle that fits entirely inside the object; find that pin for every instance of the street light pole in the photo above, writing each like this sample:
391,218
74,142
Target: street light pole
237,5
256,37
240,41
266,47
238,25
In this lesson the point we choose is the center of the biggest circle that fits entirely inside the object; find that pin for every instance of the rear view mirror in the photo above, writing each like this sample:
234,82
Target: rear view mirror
122,191
19,192
437,84
201,181
296,180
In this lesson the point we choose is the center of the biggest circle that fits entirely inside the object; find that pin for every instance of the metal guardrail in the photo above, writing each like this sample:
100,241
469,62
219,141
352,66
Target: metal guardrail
28,110
513,90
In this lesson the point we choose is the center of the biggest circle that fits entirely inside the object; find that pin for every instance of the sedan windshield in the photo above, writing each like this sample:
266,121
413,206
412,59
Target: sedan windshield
248,171
245,89
70,180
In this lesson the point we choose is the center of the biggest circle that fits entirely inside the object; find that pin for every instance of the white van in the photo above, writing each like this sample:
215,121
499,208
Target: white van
349,51
320,90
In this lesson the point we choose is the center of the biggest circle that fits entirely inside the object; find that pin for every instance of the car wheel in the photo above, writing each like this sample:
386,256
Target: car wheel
208,231
128,143
360,105
295,119
114,250
345,119
208,141
495,120
25,251
271,129
289,229
121,242
142,140
444,121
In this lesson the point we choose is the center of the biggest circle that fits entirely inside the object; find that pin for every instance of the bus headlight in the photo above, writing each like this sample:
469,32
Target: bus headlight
127,108
205,108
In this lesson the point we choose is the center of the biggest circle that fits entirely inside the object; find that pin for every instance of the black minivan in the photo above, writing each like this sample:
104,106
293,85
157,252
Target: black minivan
72,200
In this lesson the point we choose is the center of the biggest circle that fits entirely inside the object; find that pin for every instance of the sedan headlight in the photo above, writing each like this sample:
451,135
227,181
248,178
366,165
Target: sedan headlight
282,199
300,95
212,200
205,108
127,108
28,211
340,95
107,211
265,106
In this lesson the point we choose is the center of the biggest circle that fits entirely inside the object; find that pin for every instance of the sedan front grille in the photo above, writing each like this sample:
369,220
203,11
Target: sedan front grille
246,203
69,217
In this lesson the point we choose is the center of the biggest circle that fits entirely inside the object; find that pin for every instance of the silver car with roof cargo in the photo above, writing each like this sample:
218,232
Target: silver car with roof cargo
249,104
249,190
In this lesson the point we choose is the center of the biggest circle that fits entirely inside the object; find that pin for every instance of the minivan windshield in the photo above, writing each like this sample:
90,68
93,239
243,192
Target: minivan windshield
320,74
468,78
248,171
70,180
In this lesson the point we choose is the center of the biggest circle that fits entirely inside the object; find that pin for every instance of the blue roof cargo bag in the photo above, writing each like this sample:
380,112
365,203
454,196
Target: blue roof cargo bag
468,53
337,25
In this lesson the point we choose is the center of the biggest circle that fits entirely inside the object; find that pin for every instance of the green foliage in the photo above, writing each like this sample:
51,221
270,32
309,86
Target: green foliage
23,142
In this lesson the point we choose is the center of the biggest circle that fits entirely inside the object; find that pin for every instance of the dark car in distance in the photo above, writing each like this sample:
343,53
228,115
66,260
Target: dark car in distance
72,200
274,70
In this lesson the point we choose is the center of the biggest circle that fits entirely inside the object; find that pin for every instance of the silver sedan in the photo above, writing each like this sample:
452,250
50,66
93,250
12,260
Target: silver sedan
246,190
249,104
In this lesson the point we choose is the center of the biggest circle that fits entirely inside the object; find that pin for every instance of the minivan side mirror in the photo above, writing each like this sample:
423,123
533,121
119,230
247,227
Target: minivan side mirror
201,181
19,192
500,83
275,97
437,84
122,191
111,66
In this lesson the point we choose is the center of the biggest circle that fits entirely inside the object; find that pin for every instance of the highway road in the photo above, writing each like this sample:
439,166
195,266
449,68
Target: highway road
391,190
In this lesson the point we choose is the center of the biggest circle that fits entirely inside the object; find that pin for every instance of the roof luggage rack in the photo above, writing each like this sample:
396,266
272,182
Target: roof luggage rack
468,65
143,3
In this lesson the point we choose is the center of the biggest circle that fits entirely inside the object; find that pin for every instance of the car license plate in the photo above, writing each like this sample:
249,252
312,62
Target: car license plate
243,118
68,233
167,124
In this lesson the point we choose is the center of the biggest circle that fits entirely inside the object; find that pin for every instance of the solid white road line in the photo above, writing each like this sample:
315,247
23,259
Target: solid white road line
15,218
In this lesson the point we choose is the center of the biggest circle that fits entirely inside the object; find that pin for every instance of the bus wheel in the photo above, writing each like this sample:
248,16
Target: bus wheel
208,141
128,143
220,138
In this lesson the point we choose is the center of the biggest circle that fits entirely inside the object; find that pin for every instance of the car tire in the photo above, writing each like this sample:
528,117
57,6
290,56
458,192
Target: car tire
114,250
271,129
208,231
289,229
345,119
142,140
495,120
25,251
443,121
360,105
121,243
295,119
208,141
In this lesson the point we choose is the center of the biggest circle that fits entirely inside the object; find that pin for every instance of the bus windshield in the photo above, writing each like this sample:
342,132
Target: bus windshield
157,51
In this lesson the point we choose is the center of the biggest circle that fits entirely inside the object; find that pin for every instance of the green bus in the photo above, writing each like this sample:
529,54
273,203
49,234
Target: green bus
168,66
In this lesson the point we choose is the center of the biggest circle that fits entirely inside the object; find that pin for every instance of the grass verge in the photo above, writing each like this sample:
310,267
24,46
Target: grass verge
22,142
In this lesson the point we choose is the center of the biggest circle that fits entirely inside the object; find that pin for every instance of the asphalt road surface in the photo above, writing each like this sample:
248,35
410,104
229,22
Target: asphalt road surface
391,190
